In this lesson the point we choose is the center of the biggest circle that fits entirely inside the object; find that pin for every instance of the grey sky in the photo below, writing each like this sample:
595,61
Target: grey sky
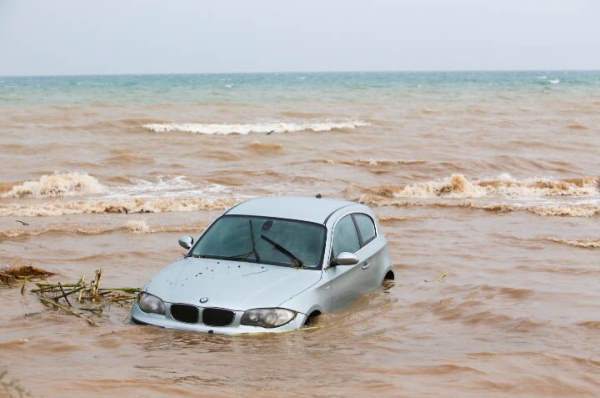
160,36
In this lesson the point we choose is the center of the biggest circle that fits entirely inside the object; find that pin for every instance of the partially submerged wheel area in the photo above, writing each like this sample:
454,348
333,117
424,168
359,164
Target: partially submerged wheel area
388,280
389,276
312,318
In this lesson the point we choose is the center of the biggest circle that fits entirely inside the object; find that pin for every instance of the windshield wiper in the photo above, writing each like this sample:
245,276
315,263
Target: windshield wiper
243,256
253,242
297,262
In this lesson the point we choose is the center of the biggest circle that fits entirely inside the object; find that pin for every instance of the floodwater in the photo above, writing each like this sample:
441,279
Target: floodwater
486,185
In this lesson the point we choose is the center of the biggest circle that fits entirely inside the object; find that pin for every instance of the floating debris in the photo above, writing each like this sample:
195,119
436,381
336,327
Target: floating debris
11,275
82,299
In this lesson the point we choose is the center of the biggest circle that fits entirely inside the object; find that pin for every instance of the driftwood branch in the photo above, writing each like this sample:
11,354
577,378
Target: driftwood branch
68,310
64,295
91,298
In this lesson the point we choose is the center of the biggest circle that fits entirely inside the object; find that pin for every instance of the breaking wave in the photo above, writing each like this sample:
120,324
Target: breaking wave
82,184
458,186
56,185
582,209
576,197
248,128
80,193
583,243
117,206
161,187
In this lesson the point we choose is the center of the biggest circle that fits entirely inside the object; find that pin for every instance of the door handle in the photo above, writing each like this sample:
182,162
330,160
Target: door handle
365,266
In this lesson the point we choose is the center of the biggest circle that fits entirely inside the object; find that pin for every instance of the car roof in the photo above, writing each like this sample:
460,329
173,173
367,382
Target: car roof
310,209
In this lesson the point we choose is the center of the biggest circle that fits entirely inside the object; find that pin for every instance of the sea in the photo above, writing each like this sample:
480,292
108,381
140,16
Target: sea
486,186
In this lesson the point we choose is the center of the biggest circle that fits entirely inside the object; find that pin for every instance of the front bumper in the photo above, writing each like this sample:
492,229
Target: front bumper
166,321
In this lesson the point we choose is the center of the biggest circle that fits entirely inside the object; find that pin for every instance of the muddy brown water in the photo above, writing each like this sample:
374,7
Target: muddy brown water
491,207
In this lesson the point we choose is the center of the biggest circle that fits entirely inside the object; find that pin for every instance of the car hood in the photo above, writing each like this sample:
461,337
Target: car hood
230,284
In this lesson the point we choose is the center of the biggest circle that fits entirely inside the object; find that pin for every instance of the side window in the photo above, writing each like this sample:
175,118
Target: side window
366,228
345,238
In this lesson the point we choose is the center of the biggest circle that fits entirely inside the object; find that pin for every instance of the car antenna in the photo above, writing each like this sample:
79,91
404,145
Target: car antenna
318,196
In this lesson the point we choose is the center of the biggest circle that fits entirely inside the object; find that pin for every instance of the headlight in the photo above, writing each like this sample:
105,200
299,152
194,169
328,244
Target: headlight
267,317
151,303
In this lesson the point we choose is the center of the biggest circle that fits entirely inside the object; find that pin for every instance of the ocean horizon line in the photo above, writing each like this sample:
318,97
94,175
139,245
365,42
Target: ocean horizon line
292,72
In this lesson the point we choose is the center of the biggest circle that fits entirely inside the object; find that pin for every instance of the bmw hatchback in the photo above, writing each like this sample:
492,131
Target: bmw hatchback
269,265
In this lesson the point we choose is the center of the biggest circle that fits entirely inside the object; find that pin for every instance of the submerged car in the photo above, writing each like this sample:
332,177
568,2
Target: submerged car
269,265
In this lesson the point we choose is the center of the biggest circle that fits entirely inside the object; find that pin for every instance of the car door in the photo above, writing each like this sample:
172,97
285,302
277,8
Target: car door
346,281
373,251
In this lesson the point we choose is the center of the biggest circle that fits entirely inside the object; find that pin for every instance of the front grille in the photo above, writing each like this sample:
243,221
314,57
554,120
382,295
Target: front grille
185,313
217,317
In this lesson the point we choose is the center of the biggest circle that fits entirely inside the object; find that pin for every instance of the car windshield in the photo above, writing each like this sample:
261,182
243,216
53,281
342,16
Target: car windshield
263,240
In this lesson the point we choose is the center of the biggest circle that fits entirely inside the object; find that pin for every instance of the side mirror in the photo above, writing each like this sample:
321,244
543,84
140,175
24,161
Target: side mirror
345,258
186,242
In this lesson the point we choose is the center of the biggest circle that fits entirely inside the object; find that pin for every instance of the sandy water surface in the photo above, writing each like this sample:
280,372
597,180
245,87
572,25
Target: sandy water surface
487,188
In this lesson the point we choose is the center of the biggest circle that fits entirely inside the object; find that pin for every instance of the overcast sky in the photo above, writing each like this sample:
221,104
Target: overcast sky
46,37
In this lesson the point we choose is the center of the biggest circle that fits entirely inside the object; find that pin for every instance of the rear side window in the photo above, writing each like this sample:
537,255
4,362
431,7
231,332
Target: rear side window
366,228
345,238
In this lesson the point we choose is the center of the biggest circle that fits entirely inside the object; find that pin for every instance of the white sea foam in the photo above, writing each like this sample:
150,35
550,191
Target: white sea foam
247,128
576,197
82,184
57,185
80,193
162,186
583,243
117,206
458,186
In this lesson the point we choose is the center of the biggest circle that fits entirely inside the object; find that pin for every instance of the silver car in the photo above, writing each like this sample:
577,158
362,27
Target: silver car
269,265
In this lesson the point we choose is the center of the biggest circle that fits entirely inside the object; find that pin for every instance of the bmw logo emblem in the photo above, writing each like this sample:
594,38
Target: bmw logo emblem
204,300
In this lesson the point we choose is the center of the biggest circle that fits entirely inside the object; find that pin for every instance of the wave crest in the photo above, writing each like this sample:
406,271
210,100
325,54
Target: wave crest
575,197
56,185
79,193
117,206
458,186
247,128
583,243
